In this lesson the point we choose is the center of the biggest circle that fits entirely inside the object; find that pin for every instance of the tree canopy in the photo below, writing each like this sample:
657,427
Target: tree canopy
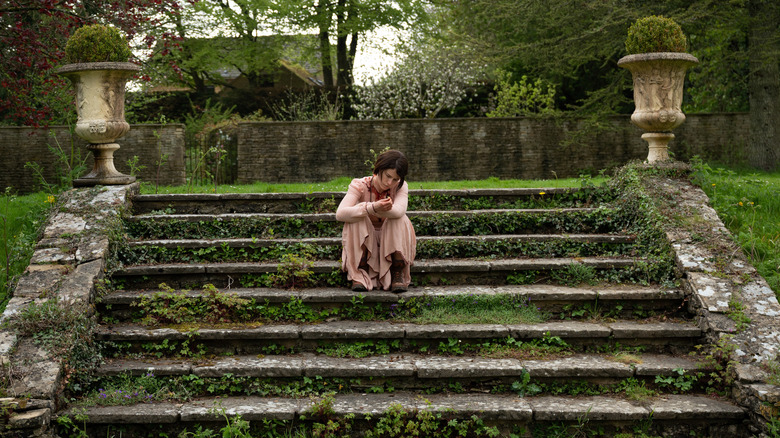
32,42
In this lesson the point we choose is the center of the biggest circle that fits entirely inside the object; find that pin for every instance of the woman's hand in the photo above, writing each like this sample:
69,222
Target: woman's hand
383,204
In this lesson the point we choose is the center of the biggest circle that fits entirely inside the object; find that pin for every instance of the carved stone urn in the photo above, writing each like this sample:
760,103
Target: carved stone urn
658,91
100,104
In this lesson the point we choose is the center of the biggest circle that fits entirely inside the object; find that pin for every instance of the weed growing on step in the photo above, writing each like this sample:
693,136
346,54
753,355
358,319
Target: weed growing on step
359,349
65,332
469,309
168,307
127,390
773,368
737,314
680,382
720,357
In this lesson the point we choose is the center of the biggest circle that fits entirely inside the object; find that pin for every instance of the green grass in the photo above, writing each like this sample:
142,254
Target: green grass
20,220
748,203
340,184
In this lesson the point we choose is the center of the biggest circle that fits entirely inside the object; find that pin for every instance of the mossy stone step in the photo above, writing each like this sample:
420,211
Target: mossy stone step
681,414
424,272
325,241
253,339
331,217
292,202
119,303
424,367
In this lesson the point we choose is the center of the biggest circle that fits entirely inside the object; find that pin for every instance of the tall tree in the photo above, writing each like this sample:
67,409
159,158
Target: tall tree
347,21
32,41
576,43
764,151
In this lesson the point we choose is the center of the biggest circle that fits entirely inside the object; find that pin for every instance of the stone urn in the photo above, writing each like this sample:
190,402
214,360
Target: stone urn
100,104
658,92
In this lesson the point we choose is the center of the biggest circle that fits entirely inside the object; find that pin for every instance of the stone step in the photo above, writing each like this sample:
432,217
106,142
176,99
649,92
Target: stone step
119,303
331,217
329,248
293,202
254,339
473,222
671,415
422,368
325,241
424,272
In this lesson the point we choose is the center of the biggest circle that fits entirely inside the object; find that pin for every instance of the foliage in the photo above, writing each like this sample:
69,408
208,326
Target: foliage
97,43
655,34
69,164
679,382
66,332
33,34
575,45
519,98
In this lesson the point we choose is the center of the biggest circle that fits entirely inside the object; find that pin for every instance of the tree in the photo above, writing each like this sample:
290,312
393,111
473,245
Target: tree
764,84
32,41
346,21
576,44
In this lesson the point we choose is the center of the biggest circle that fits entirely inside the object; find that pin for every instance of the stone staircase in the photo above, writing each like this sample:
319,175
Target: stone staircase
594,338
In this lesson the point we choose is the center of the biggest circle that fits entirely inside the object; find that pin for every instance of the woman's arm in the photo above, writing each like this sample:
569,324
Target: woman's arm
400,202
351,209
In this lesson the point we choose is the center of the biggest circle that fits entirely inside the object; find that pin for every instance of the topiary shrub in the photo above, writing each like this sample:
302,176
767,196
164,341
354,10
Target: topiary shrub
655,34
97,43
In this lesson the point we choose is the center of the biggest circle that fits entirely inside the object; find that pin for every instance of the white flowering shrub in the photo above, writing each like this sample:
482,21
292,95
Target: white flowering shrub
420,86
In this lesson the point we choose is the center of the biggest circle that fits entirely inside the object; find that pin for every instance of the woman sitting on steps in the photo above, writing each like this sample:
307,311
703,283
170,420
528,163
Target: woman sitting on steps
378,240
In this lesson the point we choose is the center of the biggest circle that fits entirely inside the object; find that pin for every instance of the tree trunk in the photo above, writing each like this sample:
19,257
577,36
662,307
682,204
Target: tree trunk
764,85
341,47
324,21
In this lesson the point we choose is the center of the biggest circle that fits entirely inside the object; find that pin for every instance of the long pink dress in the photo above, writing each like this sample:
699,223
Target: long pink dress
396,234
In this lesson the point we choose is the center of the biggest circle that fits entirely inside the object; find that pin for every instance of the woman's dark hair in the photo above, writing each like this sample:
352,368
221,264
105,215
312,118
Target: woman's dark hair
392,159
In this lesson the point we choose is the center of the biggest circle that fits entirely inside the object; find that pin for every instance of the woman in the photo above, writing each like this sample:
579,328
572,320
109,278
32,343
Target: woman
378,240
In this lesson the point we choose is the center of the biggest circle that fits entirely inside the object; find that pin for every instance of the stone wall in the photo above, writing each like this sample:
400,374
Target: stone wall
19,145
477,148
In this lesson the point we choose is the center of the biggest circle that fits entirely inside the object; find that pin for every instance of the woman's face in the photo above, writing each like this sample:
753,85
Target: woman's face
386,179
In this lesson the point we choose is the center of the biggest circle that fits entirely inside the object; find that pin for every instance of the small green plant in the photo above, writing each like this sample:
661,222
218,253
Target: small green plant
374,155
737,314
135,166
524,387
680,382
655,34
97,43
293,271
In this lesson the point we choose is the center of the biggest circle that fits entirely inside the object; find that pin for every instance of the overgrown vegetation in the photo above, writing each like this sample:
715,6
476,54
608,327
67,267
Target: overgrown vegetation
748,205
20,220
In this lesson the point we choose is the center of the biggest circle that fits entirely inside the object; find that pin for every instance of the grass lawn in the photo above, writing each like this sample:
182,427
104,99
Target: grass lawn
748,202
341,184
20,220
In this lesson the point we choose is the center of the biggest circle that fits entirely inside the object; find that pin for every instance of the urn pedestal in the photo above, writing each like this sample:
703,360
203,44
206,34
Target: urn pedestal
658,91
100,104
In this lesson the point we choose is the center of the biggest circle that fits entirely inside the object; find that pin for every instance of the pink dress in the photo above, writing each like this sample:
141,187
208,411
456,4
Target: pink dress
395,234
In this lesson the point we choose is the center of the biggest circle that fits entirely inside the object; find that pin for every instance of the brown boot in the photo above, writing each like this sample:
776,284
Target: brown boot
397,276
358,287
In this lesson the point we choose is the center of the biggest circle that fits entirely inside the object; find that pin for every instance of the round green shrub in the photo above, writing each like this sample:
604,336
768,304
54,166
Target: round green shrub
97,43
655,34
